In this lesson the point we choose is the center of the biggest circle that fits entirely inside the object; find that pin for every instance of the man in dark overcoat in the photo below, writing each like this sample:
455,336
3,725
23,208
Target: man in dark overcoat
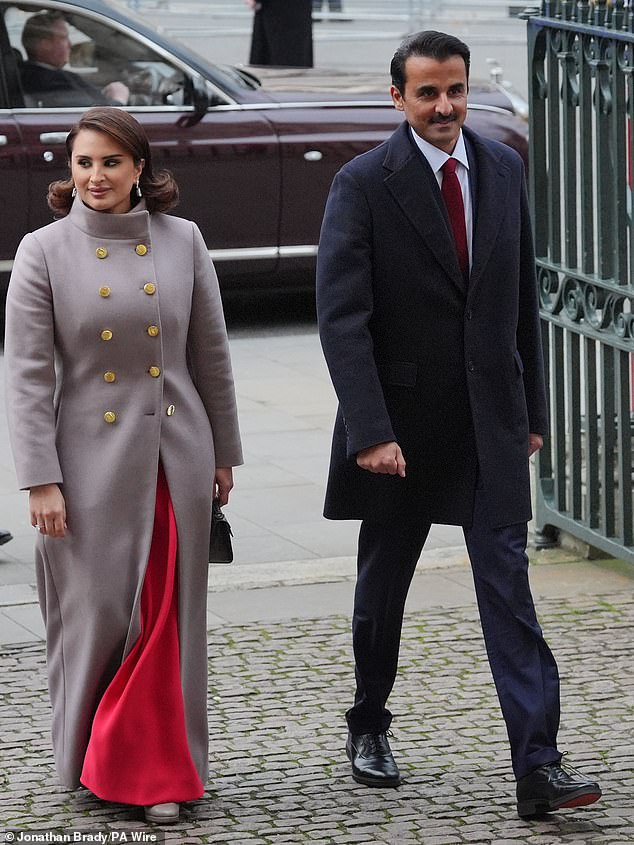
428,315
282,33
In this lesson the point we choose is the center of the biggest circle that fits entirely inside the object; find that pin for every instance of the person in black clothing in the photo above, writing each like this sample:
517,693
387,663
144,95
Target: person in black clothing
282,33
438,414
47,44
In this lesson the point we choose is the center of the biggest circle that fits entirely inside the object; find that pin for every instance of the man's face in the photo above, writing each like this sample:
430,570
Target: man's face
55,49
435,99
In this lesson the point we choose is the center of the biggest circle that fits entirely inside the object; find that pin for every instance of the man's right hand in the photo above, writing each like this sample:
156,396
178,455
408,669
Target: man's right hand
385,458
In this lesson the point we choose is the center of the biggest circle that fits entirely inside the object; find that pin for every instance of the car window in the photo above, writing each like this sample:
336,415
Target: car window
68,60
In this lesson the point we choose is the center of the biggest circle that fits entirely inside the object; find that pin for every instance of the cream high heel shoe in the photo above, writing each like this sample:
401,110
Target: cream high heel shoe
162,813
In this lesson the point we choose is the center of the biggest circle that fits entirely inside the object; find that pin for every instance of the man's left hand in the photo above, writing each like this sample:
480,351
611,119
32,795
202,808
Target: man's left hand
535,443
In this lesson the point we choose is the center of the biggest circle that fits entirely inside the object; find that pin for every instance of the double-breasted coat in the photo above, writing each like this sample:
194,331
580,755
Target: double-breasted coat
117,357
451,370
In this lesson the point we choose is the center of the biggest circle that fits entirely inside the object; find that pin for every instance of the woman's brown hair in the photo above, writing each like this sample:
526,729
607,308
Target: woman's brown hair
159,189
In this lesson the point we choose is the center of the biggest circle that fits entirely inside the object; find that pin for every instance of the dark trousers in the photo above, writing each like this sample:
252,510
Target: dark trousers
523,667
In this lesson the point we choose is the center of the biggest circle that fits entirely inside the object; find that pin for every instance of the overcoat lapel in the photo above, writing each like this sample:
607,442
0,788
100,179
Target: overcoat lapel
490,187
412,183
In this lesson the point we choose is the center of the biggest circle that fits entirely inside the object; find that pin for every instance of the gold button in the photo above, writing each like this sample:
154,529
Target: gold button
109,377
155,372
101,252
104,291
110,417
140,249
153,331
106,334
170,410
149,288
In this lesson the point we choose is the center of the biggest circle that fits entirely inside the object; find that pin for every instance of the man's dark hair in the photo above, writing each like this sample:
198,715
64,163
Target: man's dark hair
429,43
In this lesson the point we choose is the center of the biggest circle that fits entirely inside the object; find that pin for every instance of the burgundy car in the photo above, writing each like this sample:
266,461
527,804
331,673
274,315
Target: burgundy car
254,150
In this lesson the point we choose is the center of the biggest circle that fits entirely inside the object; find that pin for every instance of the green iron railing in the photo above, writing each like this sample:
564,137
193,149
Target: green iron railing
581,92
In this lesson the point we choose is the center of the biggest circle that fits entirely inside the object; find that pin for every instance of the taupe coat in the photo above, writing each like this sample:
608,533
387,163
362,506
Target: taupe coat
62,298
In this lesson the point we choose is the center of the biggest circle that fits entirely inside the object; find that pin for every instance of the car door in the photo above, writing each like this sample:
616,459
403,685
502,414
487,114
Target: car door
13,180
13,197
225,159
316,141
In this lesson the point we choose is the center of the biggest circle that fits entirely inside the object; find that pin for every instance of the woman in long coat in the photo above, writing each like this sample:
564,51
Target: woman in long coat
123,423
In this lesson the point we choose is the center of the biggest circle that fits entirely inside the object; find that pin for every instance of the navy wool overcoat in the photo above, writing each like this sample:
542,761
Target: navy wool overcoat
451,370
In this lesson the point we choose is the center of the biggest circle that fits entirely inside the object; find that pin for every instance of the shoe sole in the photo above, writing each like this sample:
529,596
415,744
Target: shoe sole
539,808
168,820
387,783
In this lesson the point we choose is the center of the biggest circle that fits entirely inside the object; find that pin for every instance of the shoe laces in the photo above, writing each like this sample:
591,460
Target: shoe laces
378,743
568,769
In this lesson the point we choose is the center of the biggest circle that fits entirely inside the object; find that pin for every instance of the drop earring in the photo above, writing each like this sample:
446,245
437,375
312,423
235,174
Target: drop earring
73,193
138,189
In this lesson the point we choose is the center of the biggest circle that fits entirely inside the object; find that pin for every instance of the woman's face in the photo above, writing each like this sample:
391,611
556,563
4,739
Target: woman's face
103,172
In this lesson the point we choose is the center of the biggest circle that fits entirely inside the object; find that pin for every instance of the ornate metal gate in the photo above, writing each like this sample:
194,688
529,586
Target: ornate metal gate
581,89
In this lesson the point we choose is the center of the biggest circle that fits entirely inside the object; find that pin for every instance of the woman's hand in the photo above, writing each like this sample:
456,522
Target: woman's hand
48,510
223,484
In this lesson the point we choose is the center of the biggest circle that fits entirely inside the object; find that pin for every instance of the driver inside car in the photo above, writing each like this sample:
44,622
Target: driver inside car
45,83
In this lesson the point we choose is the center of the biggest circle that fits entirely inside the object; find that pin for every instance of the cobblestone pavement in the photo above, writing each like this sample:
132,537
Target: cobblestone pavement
279,773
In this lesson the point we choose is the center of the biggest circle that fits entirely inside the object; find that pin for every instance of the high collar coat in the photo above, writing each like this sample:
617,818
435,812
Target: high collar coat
118,314
452,370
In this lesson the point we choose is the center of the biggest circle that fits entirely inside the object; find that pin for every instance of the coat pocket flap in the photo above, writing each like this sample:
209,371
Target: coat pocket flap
518,362
399,373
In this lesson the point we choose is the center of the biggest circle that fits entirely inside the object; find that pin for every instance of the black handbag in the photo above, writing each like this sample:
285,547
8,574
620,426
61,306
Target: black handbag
220,549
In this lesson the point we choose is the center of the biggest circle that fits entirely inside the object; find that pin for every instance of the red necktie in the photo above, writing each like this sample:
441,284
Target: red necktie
452,195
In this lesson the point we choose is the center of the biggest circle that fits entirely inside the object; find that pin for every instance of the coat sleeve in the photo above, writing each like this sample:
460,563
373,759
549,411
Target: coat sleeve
208,354
529,336
344,310
30,368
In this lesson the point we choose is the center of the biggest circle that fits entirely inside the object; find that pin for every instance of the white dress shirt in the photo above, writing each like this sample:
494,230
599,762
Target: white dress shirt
436,158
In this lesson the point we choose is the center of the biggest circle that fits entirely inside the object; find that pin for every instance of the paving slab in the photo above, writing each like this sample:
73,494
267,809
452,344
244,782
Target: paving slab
279,493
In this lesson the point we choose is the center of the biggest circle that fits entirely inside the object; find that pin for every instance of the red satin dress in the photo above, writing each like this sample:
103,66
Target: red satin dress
138,751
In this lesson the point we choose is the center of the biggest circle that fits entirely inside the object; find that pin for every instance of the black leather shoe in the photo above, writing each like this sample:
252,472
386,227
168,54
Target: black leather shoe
372,760
554,786
5,536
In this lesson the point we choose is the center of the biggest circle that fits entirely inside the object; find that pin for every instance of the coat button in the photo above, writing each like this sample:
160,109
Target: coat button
106,334
140,249
109,377
469,314
104,291
101,252
110,417
155,372
153,331
470,366
149,288
171,410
